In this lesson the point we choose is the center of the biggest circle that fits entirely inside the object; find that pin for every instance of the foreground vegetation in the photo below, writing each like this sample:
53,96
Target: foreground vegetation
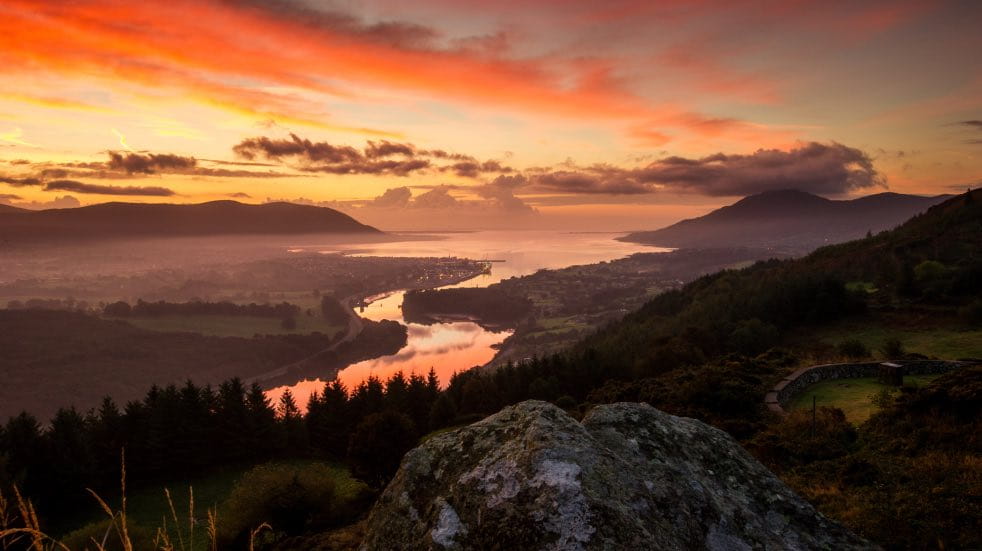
908,478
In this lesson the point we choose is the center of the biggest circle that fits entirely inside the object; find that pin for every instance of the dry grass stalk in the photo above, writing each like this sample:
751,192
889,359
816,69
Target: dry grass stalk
25,512
213,529
255,532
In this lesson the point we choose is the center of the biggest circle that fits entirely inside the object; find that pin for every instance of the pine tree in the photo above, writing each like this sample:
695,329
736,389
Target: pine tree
232,416
291,420
442,413
264,435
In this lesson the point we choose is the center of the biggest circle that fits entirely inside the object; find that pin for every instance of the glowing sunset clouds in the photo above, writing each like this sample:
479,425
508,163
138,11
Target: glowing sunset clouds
533,88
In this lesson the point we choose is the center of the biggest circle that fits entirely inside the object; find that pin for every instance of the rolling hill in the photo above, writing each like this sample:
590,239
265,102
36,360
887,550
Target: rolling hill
789,220
111,220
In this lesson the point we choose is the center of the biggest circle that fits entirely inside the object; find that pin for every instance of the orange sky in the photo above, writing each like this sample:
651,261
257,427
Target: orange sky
531,114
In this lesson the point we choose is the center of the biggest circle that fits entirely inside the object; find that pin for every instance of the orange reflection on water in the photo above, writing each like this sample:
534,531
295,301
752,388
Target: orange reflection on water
445,347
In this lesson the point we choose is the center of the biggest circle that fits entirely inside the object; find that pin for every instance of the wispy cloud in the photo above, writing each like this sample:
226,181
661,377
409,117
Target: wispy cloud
15,136
79,187
339,52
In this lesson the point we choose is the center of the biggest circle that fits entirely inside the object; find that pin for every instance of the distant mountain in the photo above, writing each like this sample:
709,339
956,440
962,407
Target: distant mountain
790,220
112,220
934,258
8,208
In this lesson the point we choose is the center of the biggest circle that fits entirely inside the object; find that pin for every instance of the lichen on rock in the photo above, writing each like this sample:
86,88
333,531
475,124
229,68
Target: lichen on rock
627,476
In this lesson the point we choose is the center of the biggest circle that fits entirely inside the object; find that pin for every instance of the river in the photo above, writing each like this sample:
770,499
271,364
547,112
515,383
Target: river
460,345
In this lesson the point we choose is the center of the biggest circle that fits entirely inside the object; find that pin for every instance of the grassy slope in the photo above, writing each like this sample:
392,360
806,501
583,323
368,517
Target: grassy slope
942,340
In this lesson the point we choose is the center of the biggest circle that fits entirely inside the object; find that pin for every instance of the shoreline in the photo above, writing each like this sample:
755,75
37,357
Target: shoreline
355,325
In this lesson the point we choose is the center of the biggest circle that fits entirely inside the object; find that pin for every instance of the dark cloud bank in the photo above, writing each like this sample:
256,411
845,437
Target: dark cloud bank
376,158
825,169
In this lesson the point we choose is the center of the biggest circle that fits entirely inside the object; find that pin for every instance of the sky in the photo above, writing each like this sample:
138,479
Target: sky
439,114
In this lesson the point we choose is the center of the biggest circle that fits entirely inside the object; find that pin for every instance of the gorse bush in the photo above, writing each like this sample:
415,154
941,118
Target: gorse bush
292,498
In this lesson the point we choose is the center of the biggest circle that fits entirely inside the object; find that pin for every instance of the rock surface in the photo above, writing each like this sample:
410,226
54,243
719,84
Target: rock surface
627,477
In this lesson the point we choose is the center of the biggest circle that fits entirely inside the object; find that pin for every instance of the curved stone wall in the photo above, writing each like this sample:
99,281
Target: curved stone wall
793,384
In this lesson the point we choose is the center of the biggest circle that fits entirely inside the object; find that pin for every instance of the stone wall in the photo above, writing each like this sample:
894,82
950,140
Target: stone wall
793,384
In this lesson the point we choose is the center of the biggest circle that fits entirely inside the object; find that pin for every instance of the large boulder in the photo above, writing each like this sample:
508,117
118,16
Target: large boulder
627,477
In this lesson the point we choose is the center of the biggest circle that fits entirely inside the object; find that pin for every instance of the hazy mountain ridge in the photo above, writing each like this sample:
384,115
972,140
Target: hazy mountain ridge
110,220
791,220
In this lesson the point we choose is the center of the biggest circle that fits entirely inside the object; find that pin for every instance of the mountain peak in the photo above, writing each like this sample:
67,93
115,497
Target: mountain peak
792,220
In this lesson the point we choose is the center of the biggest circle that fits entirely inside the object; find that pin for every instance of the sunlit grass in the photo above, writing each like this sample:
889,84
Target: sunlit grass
852,396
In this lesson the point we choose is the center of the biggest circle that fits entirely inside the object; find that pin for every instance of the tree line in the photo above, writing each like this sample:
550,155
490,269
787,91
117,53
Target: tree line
142,308
176,432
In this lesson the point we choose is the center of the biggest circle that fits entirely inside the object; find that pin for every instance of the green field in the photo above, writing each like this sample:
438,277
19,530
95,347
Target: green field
948,343
852,396
234,326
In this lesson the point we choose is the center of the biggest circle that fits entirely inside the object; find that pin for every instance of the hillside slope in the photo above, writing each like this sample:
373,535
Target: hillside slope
109,220
934,260
789,220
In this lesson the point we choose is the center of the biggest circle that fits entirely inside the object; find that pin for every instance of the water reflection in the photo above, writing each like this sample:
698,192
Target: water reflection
457,346
445,347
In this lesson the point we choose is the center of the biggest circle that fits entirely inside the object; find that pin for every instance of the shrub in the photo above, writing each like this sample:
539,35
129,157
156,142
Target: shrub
892,348
854,349
798,440
930,270
566,402
292,498
882,399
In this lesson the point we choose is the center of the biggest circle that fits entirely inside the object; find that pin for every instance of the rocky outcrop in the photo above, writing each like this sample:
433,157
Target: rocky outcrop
627,477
